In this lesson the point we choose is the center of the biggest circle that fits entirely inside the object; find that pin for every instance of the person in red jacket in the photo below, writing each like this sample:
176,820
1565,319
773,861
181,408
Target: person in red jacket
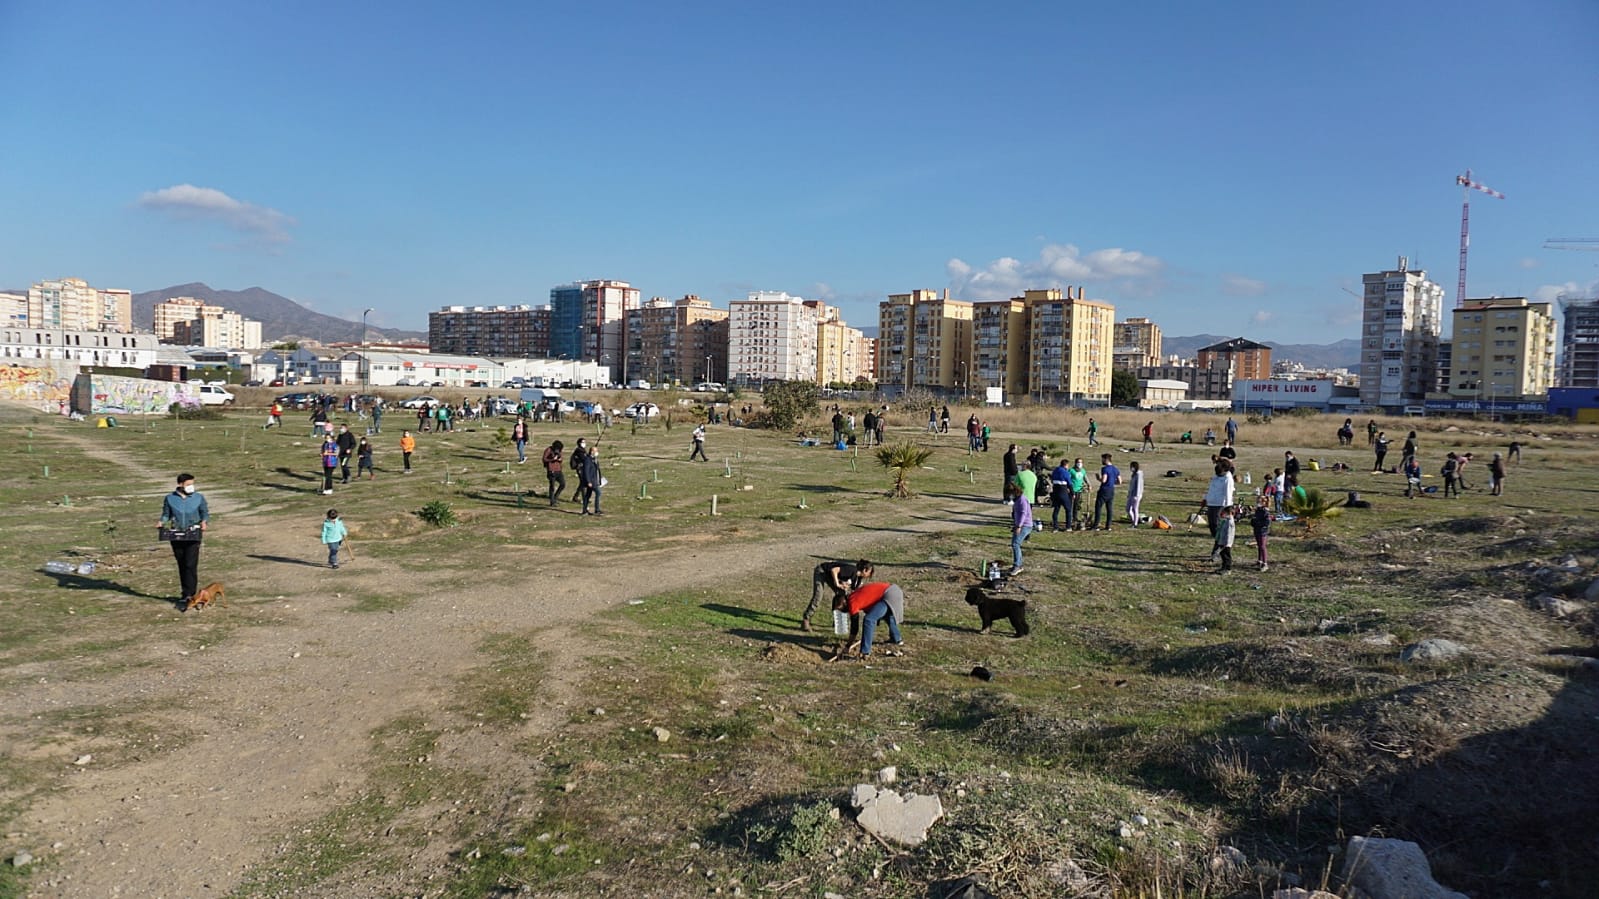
874,602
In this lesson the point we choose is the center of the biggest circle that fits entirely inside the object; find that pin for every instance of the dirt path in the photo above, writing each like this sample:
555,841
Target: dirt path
280,714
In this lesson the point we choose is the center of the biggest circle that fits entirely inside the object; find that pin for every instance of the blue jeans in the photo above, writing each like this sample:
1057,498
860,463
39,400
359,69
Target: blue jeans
333,553
1016,541
521,451
874,613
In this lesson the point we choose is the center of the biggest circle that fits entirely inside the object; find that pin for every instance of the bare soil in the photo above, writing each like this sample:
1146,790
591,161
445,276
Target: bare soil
275,729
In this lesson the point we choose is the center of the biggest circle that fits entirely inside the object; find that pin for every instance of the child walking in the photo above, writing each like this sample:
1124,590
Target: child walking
363,459
333,534
1260,521
1226,526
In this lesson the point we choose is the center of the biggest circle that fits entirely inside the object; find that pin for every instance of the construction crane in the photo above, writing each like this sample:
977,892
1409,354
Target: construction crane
1466,187
1590,244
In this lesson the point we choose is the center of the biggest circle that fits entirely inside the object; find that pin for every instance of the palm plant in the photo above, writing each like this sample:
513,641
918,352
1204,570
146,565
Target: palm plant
902,459
1311,505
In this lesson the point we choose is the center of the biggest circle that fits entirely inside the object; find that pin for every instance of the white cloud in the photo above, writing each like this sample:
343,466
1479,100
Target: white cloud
1261,317
1057,266
1549,293
187,202
1240,286
1528,262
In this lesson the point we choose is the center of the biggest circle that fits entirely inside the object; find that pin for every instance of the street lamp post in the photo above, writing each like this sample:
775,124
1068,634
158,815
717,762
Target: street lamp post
966,381
708,378
366,365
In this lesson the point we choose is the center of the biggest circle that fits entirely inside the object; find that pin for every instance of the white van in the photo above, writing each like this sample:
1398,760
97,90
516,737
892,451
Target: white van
212,395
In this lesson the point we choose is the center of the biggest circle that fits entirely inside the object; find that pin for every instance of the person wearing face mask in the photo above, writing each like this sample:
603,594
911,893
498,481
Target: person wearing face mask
184,516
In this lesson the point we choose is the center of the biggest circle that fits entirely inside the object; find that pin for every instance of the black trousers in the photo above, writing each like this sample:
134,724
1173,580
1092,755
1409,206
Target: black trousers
327,477
187,552
557,485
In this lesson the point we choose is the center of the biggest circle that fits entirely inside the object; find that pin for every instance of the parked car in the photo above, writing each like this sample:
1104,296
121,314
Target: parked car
417,402
297,400
254,382
642,410
709,387
212,395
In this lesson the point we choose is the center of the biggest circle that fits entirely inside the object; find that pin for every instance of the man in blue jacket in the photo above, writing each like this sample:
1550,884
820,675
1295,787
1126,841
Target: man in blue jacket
184,515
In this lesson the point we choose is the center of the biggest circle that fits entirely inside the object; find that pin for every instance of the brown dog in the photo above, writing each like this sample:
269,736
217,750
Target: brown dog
211,593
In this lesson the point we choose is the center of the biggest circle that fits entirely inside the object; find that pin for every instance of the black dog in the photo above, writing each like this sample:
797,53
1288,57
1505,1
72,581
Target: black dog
992,608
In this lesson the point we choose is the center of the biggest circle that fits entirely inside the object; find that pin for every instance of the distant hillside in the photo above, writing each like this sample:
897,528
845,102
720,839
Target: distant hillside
280,317
1341,354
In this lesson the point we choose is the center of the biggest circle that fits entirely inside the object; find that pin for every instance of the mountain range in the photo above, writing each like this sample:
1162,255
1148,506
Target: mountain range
281,318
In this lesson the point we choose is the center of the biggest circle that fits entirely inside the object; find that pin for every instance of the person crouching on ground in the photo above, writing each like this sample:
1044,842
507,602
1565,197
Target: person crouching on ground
874,602
837,577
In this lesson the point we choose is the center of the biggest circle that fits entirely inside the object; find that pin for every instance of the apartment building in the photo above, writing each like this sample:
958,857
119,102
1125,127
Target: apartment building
772,337
13,310
1502,348
228,330
71,304
677,341
1069,346
999,348
170,312
587,319
1401,321
1137,344
843,354
1579,345
1245,359
924,342
505,332
1203,383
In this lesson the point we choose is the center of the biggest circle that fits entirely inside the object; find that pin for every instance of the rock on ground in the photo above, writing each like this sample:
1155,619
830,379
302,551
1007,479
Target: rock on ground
1392,869
1432,649
887,815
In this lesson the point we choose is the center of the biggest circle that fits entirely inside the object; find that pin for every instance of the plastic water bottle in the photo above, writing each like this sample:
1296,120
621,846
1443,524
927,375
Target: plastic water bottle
87,568
56,567
840,623
1248,479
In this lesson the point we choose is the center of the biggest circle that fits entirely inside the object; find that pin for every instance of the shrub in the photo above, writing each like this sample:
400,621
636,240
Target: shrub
1312,505
195,413
438,513
804,833
788,402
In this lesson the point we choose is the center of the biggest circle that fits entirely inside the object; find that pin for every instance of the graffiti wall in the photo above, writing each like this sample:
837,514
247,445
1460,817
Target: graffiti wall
38,388
136,396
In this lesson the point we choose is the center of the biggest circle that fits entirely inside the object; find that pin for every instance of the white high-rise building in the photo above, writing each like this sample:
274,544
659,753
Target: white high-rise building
71,304
1401,321
772,337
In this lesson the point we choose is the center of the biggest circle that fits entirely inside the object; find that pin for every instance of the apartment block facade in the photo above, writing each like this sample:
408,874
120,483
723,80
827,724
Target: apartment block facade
506,332
1579,350
677,341
1203,383
1070,343
1502,348
227,330
13,310
1245,359
1137,344
843,354
71,304
772,337
924,342
1401,322
999,348
587,319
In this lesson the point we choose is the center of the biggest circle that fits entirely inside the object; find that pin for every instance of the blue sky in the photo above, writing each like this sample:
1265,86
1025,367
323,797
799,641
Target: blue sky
1221,168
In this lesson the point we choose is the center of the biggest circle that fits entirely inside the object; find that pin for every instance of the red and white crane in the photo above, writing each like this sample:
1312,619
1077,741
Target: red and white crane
1466,187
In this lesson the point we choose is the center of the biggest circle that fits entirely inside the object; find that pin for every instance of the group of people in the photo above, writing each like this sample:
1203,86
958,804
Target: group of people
864,601
584,462
1066,488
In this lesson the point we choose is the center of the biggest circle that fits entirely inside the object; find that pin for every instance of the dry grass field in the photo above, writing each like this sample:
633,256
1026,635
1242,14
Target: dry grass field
472,710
